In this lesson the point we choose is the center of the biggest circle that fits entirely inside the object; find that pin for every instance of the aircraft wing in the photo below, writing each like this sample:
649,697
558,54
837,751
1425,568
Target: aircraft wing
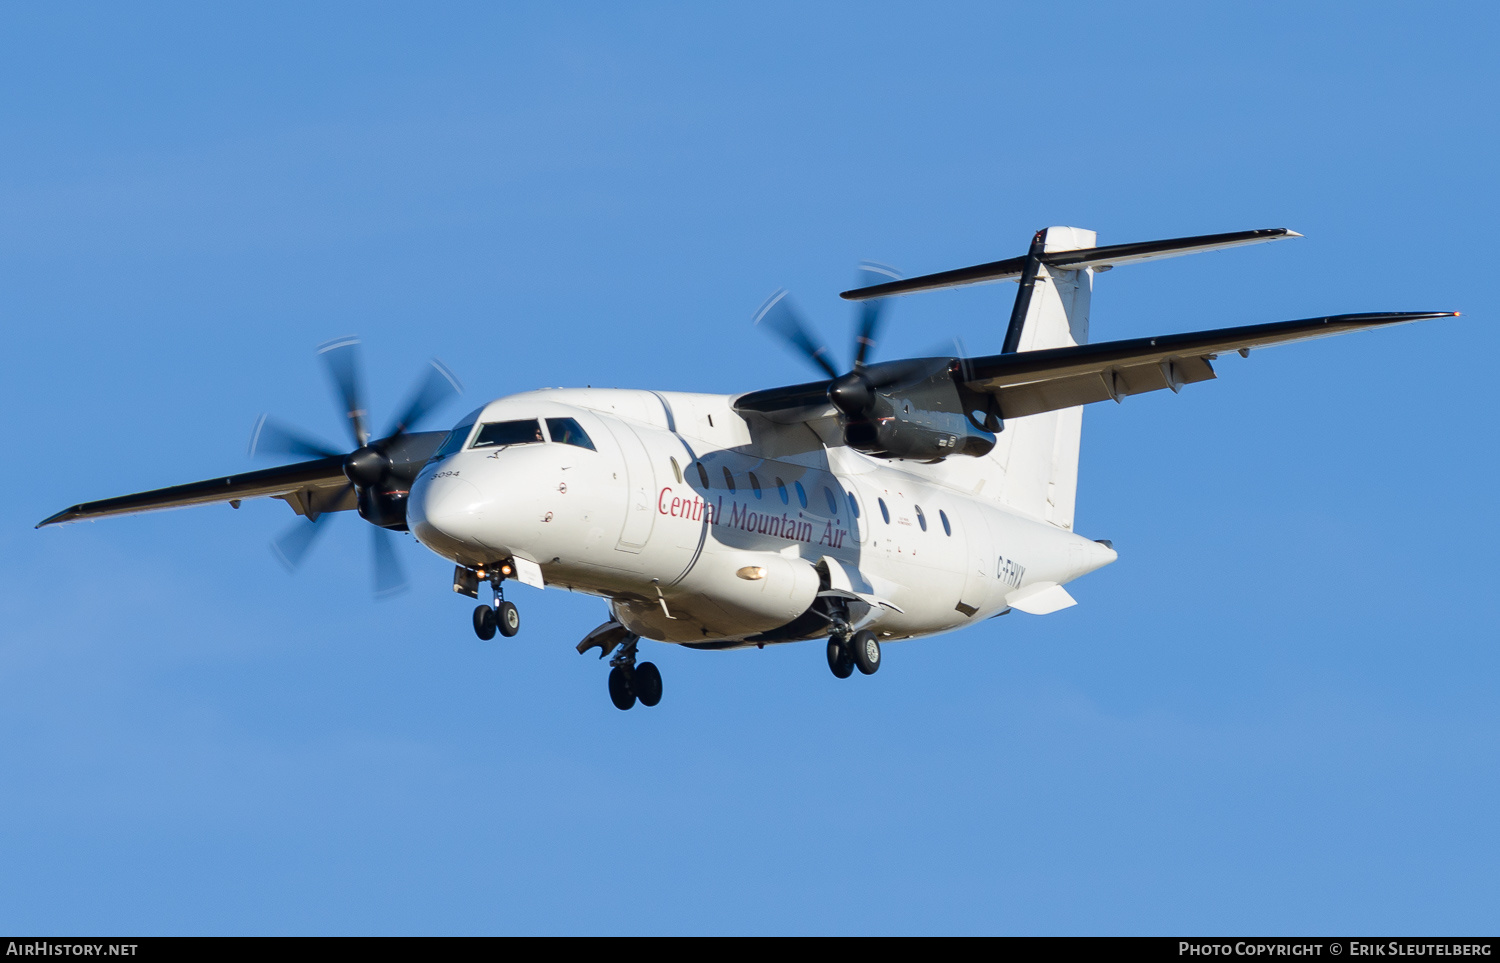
310,487
1030,382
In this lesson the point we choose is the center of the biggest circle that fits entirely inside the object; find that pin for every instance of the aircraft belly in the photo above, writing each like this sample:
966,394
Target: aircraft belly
728,594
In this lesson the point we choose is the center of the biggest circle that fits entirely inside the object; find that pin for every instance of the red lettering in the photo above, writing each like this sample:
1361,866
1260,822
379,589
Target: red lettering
661,501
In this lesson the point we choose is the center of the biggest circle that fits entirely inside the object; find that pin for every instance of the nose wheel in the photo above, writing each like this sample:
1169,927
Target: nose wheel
484,622
504,618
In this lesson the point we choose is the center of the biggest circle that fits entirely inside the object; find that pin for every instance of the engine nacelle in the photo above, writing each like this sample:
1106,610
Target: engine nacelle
918,414
384,508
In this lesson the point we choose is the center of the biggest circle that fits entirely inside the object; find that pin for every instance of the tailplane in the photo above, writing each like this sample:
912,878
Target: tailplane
1036,455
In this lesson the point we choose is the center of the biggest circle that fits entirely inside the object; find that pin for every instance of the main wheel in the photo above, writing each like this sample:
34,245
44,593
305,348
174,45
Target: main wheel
620,692
646,682
866,651
484,622
839,660
508,619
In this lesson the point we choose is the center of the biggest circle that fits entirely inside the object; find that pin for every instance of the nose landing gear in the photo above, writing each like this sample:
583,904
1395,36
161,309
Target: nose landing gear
484,622
504,617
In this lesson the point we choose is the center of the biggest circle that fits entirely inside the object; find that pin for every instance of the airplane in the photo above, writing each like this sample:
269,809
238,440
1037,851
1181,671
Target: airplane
891,501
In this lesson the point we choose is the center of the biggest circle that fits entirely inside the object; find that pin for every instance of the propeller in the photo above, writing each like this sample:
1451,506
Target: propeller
779,315
872,310
368,467
851,392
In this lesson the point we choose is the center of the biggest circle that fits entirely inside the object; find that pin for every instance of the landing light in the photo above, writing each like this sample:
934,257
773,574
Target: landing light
752,573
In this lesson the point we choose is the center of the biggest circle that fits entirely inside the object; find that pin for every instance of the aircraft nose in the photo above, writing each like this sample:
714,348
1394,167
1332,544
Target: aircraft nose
445,514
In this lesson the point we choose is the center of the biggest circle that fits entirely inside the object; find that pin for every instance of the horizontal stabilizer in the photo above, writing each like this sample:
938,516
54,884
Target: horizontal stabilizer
1098,258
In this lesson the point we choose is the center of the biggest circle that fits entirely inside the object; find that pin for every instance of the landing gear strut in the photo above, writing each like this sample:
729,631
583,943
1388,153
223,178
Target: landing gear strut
504,617
629,682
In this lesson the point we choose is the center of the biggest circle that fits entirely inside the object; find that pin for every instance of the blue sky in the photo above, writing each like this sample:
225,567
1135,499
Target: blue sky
1276,713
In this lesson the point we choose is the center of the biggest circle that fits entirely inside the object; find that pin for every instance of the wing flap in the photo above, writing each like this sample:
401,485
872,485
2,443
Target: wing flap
1032,382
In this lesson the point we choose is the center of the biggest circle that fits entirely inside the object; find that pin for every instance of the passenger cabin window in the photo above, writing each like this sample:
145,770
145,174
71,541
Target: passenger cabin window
728,478
566,431
943,517
703,475
885,513
781,490
921,519
754,484
801,494
833,505
853,506
499,434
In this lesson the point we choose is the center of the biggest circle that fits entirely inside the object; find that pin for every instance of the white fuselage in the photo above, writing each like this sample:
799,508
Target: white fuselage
702,526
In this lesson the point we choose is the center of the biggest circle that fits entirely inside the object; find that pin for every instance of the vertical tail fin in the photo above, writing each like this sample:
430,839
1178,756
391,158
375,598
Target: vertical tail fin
1038,454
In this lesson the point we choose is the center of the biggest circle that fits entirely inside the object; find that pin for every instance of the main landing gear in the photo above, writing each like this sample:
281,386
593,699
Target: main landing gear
504,617
629,682
847,652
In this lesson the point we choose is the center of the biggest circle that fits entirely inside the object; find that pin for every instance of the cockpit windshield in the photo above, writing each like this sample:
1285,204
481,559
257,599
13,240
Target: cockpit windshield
498,434
567,431
457,436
